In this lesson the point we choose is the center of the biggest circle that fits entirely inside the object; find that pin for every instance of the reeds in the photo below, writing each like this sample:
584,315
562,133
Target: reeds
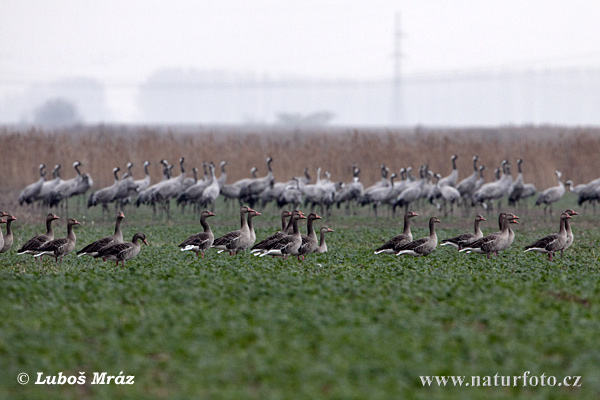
100,148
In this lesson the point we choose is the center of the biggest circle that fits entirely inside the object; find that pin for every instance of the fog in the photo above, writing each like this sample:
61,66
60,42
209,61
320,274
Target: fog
277,62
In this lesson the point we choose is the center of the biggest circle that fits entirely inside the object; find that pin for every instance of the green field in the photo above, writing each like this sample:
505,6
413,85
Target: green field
343,325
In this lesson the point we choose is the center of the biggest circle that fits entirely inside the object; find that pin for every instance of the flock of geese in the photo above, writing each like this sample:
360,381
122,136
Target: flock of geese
286,242
476,242
393,190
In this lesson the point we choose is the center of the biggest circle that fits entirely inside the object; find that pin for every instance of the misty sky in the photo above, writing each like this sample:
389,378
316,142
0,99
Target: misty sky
117,41
121,43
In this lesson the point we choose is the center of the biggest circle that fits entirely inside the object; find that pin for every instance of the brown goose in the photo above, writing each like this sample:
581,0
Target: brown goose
60,247
494,242
423,246
570,236
322,248
123,251
2,221
393,245
466,238
33,244
309,241
553,242
200,242
251,215
93,248
8,238
263,244
289,244
237,240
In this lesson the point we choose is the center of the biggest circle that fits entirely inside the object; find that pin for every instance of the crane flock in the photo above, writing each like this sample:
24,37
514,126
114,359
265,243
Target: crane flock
392,191
395,190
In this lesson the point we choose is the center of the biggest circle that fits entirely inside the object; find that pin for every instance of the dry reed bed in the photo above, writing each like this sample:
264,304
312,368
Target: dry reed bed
100,148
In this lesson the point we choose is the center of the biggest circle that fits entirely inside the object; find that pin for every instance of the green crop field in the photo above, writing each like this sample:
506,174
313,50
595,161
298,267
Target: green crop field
347,324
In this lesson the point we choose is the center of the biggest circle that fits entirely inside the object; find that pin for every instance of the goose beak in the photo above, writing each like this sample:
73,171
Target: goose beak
145,242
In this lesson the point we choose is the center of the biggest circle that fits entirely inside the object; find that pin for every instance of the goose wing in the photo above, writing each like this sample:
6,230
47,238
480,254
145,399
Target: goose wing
196,240
548,242
55,245
97,245
34,243
414,245
394,243
115,251
460,238
228,240
266,243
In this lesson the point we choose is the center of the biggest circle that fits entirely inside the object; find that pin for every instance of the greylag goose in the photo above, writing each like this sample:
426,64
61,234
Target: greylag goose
237,240
2,221
251,215
310,242
494,242
570,236
466,238
33,244
392,245
552,194
93,248
200,242
552,243
289,244
262,245
62,246
322,248
8,238
423,246
30,193
123,251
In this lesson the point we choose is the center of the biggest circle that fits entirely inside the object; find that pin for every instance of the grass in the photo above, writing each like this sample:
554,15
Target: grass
346,324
